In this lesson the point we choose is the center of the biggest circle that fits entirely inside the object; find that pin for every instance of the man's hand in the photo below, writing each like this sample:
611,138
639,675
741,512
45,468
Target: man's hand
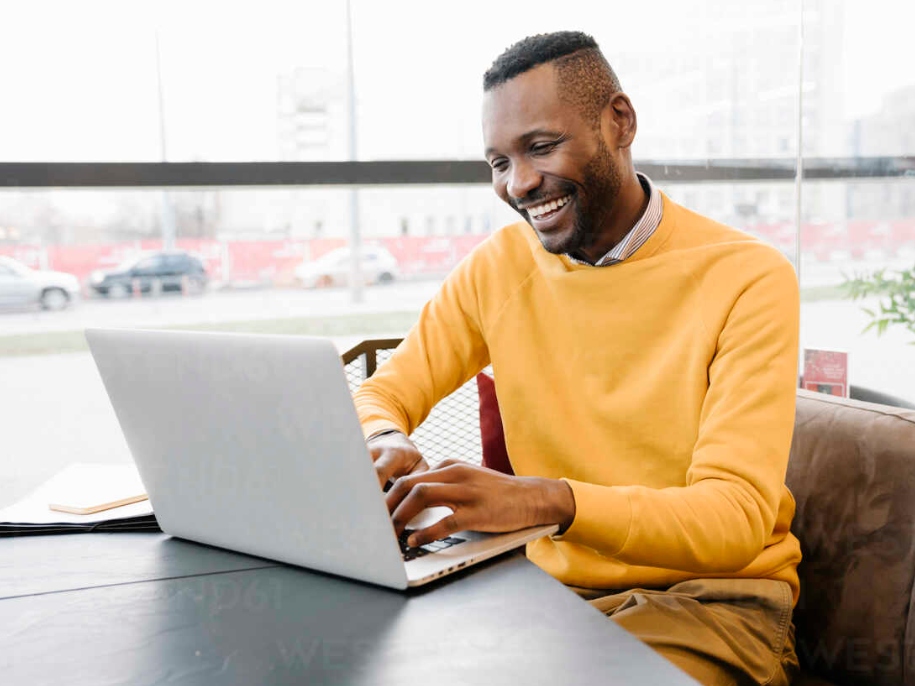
395,455
482,499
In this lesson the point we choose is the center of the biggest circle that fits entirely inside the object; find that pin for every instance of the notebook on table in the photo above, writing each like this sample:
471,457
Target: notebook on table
110,496
90,488
252,443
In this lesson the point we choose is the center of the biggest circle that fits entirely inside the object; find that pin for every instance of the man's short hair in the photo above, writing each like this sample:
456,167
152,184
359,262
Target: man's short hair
586,78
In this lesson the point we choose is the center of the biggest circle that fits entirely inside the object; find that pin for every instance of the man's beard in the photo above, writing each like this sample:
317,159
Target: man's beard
593,202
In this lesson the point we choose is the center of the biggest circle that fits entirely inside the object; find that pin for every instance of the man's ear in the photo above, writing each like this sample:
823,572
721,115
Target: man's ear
619,121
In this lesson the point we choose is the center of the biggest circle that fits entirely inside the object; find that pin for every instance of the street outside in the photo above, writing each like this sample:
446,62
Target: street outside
218,306
54,410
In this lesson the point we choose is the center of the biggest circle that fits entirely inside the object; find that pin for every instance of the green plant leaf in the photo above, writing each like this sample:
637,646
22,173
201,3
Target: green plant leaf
897,290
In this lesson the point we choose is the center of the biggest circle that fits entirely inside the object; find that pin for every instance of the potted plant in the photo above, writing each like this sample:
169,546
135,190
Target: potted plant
896,290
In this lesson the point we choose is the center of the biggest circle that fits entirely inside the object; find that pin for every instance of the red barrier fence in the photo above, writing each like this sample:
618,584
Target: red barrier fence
274,261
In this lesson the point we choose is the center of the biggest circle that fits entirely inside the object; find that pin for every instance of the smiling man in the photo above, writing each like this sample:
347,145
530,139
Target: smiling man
645,361
558,171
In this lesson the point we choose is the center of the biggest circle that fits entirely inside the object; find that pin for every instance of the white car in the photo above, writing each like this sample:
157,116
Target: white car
377,265
23,286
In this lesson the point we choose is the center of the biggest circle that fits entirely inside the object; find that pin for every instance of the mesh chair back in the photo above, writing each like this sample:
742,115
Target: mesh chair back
452,429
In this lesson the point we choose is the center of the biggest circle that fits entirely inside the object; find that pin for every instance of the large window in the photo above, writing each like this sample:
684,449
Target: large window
285,160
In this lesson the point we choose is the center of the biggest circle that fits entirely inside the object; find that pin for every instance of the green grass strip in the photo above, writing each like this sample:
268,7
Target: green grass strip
377,324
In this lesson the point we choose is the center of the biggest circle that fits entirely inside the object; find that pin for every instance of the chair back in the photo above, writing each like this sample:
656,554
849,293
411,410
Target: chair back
852,473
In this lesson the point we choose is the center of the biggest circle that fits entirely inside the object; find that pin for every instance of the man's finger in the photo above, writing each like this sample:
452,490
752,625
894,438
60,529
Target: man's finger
385,467
420,497
441,529
421,473
392,462
420,467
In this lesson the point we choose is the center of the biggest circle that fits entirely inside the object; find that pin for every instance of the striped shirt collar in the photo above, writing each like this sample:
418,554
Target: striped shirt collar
641,232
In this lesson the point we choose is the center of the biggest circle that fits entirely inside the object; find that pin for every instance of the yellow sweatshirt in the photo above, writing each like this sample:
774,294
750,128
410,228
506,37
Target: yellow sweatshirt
661,388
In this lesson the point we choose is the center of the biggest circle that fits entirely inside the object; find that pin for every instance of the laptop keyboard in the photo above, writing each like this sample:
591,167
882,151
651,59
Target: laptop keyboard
434,547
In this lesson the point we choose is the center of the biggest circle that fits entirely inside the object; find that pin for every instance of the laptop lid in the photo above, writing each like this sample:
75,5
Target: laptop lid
252,443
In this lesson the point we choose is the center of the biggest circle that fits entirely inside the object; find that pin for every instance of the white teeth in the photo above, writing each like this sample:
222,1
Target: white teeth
540,210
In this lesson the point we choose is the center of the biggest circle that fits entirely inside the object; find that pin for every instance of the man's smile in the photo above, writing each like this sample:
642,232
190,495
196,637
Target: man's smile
547,216
543,210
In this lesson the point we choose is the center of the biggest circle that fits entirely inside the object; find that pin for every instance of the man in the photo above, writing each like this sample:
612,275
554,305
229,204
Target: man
645,363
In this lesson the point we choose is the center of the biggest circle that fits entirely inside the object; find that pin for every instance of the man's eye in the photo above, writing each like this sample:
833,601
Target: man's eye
543,148
498,165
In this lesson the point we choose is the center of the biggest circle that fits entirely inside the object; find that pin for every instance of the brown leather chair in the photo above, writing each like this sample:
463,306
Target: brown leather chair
852,472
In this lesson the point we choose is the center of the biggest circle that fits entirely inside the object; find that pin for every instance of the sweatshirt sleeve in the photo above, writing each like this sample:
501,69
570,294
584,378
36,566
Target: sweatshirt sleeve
734,500
443,350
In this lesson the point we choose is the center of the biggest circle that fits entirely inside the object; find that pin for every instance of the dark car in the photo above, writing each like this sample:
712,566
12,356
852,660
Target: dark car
152,273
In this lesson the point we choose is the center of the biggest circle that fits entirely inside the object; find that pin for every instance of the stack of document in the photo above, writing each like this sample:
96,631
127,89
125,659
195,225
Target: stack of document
82,498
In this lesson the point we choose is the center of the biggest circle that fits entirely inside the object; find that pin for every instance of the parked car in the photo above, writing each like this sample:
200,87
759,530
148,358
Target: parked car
161,271
23,286
377,265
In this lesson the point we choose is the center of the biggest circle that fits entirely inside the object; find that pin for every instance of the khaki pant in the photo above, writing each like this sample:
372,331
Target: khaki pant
723,632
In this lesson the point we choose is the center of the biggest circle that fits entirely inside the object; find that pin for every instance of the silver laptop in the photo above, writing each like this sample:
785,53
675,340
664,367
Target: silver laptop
251,443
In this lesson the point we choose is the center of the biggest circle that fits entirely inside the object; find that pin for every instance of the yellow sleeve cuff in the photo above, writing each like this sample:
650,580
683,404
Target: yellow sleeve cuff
603,517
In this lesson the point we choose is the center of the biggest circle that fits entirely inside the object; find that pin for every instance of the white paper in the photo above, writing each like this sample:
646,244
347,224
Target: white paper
33,509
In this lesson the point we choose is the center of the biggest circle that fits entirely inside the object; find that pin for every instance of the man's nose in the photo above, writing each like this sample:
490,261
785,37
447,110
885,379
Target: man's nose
522,180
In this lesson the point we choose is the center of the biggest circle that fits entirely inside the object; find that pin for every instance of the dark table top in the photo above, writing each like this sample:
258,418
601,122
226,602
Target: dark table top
149,609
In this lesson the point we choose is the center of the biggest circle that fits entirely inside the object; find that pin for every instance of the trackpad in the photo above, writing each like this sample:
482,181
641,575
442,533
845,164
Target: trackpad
429,516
